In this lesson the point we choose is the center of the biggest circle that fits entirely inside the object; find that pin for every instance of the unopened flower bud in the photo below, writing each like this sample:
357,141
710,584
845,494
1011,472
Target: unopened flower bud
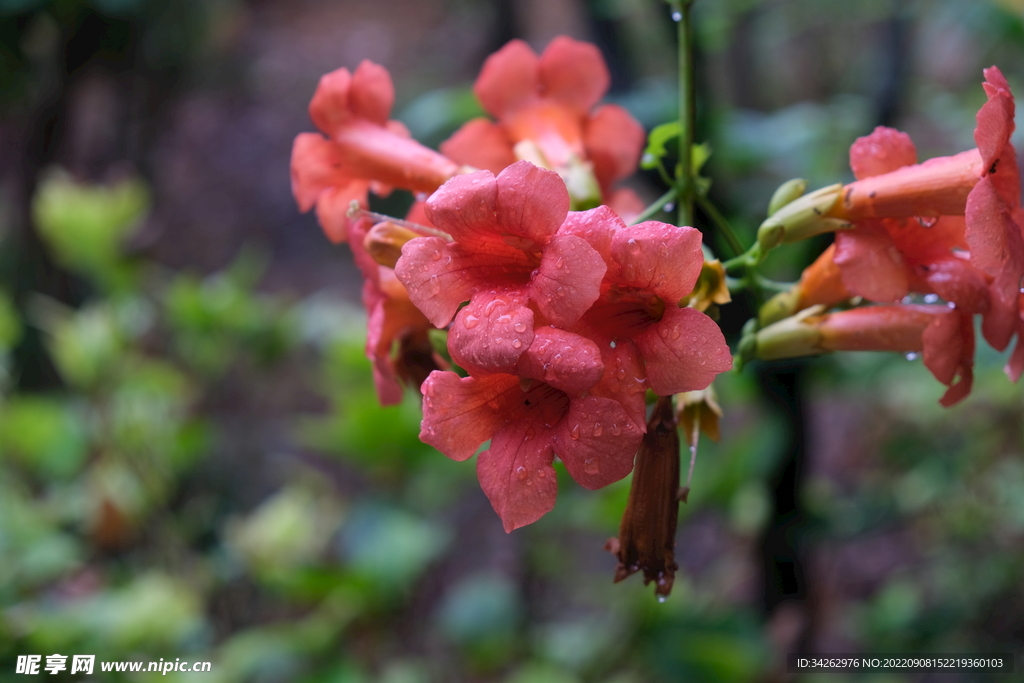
384,242
787,192
782,305
790,338
802,218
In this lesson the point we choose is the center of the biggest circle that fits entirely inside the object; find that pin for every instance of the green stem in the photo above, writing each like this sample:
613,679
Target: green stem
657,206
723,225
687,110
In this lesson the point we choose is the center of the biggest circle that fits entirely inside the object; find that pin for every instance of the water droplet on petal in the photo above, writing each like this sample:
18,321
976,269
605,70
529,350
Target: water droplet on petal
559,263
598,429
516,343
616,430
611,344
591,466
931,298
436,256
575,432
950,304
470,322
675,332
519,327
521,473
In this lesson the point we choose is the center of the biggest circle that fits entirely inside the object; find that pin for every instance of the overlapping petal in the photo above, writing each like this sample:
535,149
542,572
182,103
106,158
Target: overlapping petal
684,351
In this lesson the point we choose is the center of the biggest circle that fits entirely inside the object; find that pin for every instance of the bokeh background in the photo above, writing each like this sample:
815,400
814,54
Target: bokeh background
192,461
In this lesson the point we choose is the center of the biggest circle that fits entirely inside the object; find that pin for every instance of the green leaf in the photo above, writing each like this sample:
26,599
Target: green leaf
655,150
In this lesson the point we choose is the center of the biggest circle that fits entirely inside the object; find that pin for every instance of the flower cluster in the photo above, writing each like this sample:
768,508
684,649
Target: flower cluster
949,228
569,318
559,320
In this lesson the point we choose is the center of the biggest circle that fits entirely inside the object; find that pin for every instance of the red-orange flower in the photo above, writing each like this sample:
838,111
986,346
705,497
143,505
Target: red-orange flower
527,427
946,336
543,106
397,333
363,150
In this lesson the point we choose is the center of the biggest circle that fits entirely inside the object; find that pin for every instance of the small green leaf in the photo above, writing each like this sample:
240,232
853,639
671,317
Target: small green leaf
656,143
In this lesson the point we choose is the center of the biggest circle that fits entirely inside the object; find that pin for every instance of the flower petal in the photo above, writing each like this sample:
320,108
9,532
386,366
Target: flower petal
683,352
491,333
627,204
597,441
573,73
507,79
988,226
943,346
378,346
660,257
516,475
465,207
568,280
481,144
956,280
949,352
332,208
460,413
433,272
329,107
597,226
995,125
624,380
871,265
532,202
613,140
316,165
566,361
372,93
886,149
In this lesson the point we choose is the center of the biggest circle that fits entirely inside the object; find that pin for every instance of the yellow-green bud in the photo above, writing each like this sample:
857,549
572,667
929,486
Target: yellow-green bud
804,217
385,240
787,192
780,306
790,338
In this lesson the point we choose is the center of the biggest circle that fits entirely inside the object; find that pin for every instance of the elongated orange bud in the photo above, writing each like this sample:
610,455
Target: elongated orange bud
876,328
937,187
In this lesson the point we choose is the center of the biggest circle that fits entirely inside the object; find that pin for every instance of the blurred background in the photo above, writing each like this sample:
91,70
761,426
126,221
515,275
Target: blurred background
193,463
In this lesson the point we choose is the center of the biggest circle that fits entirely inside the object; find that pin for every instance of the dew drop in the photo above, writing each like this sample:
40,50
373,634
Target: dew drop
470,322
611,344
519,327
616,430
927,221
436,256
591,466
516,343
575,432
663,598
931,298
521,473
907,299
421,196
598,429
504,319
663,249
559,263
670,206
675,332
950,304
911,356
